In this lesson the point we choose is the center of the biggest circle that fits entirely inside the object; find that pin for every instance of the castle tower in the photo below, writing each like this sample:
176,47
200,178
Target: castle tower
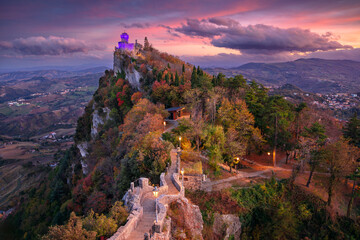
124,37
124,43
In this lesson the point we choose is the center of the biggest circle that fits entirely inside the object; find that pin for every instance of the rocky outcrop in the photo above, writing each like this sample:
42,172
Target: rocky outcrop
99,120
83,148
123,62
191,220
227,225
134,78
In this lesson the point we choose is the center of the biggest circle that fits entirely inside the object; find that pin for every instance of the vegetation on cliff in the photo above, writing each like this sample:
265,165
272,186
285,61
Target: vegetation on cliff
230,117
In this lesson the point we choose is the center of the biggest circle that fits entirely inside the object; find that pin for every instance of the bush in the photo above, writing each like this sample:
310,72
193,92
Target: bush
102,225
118,213
72,230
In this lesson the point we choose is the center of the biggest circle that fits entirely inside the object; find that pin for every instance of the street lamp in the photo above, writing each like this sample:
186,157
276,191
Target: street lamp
156,193
237,162
182,173
180,141
164,125
269,156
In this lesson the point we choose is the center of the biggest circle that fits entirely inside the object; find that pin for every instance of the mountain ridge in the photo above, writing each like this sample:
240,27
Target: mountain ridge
314,75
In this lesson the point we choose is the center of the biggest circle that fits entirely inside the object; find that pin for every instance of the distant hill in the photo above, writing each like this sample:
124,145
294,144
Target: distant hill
24,83
312,75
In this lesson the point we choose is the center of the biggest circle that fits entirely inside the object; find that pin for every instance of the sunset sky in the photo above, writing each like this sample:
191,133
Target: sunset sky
224,33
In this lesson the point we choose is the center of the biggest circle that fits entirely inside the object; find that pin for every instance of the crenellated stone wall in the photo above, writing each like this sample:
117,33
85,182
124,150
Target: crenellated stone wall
132,199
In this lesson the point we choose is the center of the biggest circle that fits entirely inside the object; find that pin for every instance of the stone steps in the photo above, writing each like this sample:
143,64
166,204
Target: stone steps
143,227
148,205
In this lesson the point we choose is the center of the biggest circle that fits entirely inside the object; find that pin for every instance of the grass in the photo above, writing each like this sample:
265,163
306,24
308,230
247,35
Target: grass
192,168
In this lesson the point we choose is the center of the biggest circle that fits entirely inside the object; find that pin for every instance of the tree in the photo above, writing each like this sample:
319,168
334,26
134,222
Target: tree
353,176
118,213
194,78
73,230
340,158
146,44
314,138
102,225
219,80
176,83
183,68
352,130
238,123
153,155
214,140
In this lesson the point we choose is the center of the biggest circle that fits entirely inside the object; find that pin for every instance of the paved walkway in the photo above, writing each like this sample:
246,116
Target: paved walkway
148,204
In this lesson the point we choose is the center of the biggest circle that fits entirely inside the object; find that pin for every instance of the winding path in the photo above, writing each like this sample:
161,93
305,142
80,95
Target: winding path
148,204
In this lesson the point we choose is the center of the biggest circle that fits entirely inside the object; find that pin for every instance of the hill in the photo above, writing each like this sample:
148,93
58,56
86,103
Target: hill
312,75
36,102
122,136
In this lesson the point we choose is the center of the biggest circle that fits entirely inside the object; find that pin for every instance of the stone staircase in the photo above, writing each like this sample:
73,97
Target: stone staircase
148,217
147,220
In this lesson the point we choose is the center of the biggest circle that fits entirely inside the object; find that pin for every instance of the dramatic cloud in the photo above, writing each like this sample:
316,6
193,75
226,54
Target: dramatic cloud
136,25
47,46
259,38
234,60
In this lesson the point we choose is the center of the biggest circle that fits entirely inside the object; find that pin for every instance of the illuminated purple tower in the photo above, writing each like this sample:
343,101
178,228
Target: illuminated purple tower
124,43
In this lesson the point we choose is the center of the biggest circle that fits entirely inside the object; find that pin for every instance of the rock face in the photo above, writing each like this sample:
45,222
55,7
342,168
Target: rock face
189,217
83,148
227,225
122,62
134,78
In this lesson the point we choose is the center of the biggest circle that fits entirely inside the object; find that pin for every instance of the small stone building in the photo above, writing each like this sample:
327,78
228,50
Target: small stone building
175,112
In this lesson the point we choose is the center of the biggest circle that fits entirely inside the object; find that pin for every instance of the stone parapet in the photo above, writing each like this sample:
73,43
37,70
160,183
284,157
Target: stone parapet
133,199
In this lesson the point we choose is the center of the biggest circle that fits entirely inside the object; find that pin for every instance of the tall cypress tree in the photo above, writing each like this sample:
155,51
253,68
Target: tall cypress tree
183,68
199,71
176,79
194,77
167,77
182,81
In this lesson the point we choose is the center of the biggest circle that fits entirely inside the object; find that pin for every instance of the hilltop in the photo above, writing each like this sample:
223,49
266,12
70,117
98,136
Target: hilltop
124,140
312,75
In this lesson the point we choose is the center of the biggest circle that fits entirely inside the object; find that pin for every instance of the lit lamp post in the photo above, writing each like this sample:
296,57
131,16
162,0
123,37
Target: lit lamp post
182,174
269,155
164,125
180,141
237,162
156,193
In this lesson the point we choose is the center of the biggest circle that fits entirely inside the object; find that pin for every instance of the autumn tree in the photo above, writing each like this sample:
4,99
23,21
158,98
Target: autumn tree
101,224
214,140
355,175
340,159
73,230
153,155
238,124
313,138
352,130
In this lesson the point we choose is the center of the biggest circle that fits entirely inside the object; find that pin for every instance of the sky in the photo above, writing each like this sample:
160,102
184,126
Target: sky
209,33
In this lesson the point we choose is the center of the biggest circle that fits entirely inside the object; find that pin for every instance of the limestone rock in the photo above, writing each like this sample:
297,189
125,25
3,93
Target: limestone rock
227,225
192,218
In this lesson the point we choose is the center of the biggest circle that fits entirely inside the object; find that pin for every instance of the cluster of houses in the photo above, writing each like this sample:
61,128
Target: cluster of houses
341,101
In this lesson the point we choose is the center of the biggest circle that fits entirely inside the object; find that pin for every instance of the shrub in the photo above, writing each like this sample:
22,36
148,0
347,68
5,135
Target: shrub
73,230
102,225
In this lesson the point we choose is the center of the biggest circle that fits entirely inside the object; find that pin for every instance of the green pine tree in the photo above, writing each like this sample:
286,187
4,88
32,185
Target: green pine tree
194,78
182,81
352,130
176,79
